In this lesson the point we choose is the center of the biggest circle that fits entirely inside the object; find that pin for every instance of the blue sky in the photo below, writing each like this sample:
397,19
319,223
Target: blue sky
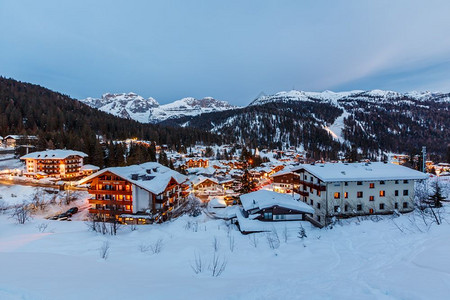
230,50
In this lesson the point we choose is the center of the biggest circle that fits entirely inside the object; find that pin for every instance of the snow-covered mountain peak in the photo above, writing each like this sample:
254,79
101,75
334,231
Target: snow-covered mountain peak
133,106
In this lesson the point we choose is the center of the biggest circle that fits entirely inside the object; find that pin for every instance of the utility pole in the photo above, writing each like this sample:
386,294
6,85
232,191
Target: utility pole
424,155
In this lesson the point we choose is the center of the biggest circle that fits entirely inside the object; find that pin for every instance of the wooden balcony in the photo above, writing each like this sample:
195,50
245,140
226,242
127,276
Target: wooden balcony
109,192
110,202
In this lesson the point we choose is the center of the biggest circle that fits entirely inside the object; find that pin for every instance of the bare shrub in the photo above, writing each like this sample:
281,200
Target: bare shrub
301,232
217,265
215,244
42,227
231,243
253,240
285,234
104,250
197,266
21,213
156,247
273,240
144,247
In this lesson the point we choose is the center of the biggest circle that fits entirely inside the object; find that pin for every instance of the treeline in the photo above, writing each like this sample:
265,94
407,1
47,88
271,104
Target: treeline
275,125
62,122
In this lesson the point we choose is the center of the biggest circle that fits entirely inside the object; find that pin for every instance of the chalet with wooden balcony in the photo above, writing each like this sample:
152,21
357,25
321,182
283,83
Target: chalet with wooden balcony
285,181
137,194
197,163
54,163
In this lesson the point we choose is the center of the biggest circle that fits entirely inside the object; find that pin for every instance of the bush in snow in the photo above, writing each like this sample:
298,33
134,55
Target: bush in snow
217,265
21,213
42,227
253,240
273,240
104,250
197,265
231,243
302,232
156,247
215,244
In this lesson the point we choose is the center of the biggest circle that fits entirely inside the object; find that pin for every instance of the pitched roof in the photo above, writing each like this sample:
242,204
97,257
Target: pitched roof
54,154
150,176
264,199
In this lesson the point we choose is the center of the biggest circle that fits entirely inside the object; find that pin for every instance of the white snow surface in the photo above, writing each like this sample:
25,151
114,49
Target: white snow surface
367,258
133,106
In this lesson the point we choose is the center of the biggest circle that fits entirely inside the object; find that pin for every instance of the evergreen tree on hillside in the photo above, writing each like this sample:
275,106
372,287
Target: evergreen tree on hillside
437,198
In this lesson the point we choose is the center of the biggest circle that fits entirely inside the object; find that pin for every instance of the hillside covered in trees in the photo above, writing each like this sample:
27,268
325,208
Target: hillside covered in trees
62,122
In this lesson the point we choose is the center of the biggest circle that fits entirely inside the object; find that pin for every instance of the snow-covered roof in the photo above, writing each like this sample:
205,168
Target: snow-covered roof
89,167
217,203
54,154
264,199
151,176
330,172
18,137
200,179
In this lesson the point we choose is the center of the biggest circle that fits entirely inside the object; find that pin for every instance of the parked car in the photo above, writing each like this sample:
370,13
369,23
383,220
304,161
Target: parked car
63,216
72,210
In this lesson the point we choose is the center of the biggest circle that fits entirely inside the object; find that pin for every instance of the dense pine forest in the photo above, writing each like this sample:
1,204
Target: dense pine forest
62,122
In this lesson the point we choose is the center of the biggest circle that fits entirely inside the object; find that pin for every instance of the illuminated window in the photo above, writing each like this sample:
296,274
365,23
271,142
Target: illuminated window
337,195
371,198
359,194
371,211
345,195
382,193
128,207
372,185
128,197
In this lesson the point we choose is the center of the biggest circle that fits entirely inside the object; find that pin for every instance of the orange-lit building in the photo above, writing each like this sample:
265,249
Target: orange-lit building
55,163
197,163
137,194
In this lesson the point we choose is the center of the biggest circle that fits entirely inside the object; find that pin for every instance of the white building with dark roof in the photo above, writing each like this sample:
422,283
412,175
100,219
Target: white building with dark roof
351,189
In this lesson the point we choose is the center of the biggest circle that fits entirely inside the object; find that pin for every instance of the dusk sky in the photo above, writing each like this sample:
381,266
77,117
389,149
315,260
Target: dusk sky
230,50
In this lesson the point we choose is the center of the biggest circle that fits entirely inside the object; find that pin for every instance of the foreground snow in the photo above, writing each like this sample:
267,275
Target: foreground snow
370,259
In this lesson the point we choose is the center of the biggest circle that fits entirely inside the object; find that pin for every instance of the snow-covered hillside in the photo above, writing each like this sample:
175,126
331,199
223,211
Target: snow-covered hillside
334,97
133,106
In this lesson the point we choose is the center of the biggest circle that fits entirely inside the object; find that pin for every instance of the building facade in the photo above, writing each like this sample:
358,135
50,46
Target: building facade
345,190
137,194
54,163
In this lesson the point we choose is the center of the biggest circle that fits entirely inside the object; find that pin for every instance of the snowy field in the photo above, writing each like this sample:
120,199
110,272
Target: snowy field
374,258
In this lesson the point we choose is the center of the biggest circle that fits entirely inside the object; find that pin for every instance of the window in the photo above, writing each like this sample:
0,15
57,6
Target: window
359,207
318,218
382,182
359,183
337,195
382,193
371,211
396,205
405,181
128,207
306,177
312,202
336,209
396,192
359,194
371,198
346,207
381,206
405,192
346,183
345,195
372,185
268,216
396,182
405,204
318,205
318,193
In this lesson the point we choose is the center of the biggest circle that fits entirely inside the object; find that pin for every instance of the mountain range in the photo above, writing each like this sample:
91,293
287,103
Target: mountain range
135,107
